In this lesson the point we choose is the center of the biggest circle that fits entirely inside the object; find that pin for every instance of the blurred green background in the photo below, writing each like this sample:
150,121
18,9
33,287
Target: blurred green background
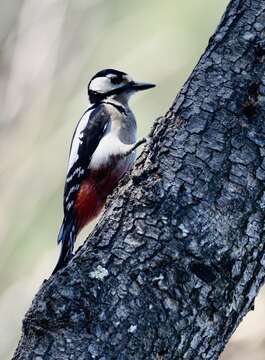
49,51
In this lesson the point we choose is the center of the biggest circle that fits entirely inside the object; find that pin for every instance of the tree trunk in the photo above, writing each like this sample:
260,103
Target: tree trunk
178,257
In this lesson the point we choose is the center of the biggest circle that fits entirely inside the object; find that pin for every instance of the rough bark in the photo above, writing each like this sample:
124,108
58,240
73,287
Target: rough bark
178,257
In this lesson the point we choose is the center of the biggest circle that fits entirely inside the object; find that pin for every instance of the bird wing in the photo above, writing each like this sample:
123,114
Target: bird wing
88,133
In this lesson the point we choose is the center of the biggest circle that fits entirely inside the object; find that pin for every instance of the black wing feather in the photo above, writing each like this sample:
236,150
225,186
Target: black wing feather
92,134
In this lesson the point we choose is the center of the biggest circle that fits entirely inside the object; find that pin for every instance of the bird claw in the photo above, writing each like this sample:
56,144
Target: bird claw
147,140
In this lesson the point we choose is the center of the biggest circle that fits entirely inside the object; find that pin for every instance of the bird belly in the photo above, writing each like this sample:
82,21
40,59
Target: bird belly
96,187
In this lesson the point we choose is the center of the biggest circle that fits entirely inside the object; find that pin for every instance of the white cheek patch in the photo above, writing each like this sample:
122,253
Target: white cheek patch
100,84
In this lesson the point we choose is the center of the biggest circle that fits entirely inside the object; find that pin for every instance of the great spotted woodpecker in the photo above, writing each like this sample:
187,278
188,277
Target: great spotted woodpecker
102,151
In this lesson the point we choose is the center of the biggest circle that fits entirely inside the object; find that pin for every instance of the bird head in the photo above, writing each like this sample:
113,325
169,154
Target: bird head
111,83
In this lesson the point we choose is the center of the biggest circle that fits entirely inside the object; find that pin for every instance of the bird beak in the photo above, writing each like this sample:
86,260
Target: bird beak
138,86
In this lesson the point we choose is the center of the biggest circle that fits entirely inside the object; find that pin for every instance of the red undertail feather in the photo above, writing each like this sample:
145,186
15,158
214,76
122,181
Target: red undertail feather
88,203
93,193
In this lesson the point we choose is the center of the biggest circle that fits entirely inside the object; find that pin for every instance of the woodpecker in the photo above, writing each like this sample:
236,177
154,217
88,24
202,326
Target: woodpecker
102,151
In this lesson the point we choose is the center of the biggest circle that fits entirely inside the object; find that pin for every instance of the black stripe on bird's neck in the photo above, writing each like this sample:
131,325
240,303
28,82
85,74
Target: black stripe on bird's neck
119,107
98,98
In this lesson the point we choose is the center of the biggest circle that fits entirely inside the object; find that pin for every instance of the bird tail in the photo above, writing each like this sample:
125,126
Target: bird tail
66,237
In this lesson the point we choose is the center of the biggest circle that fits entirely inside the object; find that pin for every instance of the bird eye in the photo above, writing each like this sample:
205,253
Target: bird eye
116,80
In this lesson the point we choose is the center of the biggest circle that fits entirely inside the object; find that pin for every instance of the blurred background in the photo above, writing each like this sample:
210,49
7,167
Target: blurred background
49,50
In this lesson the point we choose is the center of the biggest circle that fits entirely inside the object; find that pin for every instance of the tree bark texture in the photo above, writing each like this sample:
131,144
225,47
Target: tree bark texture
178,257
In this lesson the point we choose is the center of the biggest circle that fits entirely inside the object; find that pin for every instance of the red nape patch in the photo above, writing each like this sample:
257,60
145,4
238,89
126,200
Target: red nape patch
88,203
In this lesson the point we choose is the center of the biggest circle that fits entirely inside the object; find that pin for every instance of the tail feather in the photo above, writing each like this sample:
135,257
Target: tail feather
66,237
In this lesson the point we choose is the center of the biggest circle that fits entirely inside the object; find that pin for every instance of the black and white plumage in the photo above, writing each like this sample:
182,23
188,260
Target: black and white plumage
102,151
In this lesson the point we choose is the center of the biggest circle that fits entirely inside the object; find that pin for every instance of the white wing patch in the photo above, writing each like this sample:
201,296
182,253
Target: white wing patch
78,139
109,145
